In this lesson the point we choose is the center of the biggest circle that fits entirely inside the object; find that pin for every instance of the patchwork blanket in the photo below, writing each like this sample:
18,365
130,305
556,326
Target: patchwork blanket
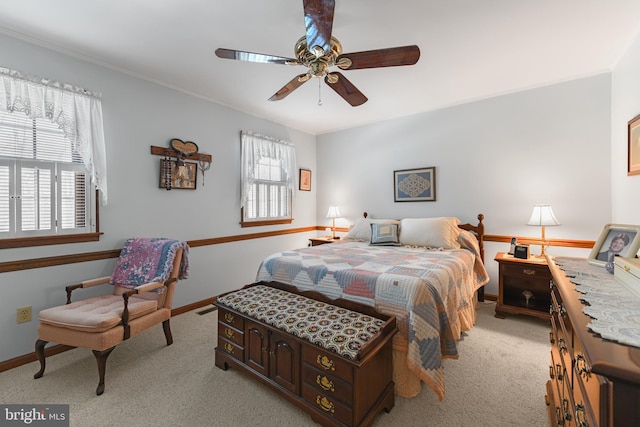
145,260
429,292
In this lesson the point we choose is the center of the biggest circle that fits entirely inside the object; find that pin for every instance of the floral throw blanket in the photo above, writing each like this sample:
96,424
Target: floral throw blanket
145,260
427,291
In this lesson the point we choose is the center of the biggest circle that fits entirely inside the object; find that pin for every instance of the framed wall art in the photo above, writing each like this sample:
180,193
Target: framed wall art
615,240
415,185
633,131
183,177
305,180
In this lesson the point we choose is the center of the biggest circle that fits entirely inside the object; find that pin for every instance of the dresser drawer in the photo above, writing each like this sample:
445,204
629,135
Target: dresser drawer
583,411
327,404
230,319
593,387
526,270
327,362
231,334
328,384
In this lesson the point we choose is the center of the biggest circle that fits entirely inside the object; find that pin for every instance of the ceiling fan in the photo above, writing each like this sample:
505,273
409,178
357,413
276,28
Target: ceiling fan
318,50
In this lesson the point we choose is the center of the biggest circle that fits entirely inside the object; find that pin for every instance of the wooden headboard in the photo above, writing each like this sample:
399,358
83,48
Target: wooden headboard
477,229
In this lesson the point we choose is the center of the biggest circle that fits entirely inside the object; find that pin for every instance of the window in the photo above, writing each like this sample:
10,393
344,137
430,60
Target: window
52,162
44,186
268,176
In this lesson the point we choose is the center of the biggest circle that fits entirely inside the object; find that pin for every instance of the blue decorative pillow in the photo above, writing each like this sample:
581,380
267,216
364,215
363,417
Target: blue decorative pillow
385,235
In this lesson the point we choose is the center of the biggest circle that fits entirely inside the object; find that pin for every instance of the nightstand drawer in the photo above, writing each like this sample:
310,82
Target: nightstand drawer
527,270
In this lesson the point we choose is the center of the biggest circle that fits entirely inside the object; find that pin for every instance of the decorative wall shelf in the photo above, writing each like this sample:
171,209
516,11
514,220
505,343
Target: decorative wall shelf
166,151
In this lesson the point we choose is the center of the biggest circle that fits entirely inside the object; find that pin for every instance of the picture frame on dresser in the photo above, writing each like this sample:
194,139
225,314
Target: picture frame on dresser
633,131
615,240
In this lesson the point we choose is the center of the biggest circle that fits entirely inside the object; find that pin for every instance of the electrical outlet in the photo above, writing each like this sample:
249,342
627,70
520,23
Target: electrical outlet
24,314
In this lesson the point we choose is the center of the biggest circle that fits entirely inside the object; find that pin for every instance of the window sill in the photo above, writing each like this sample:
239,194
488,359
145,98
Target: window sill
266,222
25,242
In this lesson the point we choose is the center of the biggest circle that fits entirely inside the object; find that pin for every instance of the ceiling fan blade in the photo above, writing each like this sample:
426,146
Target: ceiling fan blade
345,89
318,20
254,57
294,84
390,57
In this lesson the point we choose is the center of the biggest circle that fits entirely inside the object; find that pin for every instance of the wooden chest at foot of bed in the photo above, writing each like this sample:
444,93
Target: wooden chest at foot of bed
332,358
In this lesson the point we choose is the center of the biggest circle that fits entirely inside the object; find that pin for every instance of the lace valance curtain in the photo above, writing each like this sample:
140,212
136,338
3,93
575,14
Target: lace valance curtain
255,147
77,112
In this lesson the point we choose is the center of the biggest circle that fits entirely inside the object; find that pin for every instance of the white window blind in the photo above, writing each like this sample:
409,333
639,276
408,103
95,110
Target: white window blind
44,185
268,178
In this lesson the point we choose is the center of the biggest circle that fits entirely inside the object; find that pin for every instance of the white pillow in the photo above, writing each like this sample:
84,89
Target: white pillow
441,232
361,230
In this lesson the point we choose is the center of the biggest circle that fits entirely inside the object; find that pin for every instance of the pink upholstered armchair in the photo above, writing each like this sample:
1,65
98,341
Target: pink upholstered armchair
143,283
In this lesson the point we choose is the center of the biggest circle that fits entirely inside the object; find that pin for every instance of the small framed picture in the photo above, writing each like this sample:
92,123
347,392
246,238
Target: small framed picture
305,180
415,185
633,130
183,177
615,240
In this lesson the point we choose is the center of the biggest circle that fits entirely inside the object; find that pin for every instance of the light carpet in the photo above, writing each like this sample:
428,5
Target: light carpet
499,380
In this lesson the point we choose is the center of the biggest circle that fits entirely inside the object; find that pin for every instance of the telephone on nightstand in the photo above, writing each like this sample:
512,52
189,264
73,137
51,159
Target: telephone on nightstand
512,248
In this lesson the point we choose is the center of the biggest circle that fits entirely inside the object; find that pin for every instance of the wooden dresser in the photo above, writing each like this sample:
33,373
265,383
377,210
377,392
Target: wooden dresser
334,390
593,382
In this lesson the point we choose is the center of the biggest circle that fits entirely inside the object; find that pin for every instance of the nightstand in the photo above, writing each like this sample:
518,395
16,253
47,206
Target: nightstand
316,241
524,286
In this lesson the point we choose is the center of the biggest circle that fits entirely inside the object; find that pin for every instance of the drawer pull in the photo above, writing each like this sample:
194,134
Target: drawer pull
581,416
325,404
325,383
559,372
581,366
529,272
551,338
565,408
559,417
228,332
228,348
562,311
326,363
552,373
562,346
228,317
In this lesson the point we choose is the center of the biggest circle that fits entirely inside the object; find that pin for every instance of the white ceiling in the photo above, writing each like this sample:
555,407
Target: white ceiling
470,49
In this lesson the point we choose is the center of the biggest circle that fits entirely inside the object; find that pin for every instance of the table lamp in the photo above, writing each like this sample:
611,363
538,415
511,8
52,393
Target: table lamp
542,216
333,213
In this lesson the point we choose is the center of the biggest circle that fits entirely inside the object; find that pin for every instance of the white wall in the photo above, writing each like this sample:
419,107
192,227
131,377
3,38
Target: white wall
498,156
625,190
138,114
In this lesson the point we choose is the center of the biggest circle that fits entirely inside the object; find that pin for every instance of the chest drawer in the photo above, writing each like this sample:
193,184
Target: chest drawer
231,319
232,349
328,384
327,362
327,404
231,334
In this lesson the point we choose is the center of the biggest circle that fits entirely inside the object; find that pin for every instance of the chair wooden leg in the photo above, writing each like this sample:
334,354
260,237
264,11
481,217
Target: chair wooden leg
40,353
101,358
167,331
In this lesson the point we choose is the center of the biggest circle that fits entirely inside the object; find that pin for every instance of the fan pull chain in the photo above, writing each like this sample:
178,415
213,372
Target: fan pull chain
319,94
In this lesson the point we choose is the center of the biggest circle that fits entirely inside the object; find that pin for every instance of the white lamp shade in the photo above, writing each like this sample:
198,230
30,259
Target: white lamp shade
543,215
333,212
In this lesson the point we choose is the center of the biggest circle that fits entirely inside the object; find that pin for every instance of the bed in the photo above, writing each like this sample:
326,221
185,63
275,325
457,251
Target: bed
425,271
